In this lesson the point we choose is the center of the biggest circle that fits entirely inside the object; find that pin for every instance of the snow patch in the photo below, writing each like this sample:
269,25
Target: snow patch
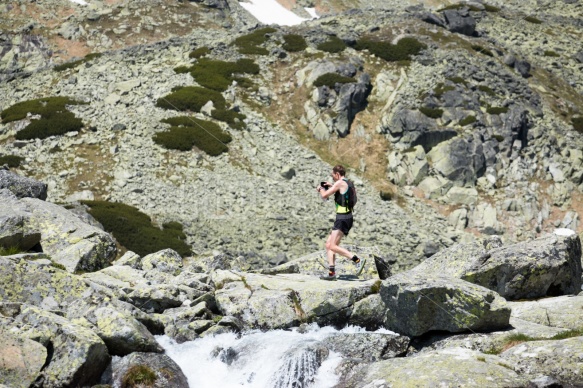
82,2
312,12
564,232
271,12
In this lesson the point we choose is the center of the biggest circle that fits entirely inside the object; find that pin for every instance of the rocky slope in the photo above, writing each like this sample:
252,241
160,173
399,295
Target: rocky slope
468,315
502,157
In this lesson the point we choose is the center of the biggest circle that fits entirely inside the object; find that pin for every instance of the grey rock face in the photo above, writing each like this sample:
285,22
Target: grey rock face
369,347
166,260
449,367
460,22
21,186
21,360
22,53
168,373
548,266
459,160
79,355
285,300
560,358
70,241
560,312
419,303
13,224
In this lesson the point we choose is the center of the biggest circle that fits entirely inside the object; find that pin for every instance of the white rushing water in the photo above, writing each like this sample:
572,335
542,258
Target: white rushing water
277,358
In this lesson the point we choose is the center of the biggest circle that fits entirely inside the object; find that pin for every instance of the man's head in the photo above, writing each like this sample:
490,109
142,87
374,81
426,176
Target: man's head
338,172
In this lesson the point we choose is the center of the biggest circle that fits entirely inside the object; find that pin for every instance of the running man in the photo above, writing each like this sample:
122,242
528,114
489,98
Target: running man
342,224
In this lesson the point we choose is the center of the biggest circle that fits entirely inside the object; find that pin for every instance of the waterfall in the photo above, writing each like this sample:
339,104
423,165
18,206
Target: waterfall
274,359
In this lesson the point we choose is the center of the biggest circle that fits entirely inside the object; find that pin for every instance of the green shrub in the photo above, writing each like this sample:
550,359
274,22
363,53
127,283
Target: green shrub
134,230
218,75
54,126
482,50
249,44
234,119
387,195
533,20
58,266
138,376
486,89
458,80
45,107
467,120
199,52
491,8
182,69
402,51
70,65
294,43
187,132
12,161
441,88
496,110
333,45
499,138
568,334
55,118
331,79
9,251
549,53
577,124
433,113
191,98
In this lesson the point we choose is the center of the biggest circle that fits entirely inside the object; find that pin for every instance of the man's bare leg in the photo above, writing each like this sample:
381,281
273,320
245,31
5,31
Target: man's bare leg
332,247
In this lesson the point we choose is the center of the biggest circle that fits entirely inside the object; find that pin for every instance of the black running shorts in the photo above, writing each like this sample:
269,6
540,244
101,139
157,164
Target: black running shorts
343,223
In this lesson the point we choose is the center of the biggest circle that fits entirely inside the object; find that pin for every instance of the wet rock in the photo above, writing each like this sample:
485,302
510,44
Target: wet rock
167,372
300,365
368,347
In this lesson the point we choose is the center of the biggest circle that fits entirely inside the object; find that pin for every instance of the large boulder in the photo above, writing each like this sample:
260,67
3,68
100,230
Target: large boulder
166,260
368,347
282,301
22,187
560,359
548,266
560,312
454,367
21,360
40,284
13,223
460,21
78,355
67,239
418,303
163,370
122,333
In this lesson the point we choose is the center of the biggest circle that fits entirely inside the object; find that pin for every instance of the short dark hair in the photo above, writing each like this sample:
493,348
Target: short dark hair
339,169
